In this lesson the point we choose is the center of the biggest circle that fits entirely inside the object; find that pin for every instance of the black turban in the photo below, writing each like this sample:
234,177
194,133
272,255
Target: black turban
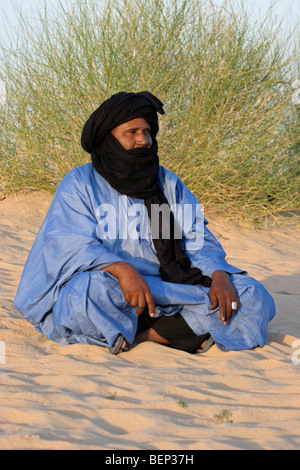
135,173
120,108
131,172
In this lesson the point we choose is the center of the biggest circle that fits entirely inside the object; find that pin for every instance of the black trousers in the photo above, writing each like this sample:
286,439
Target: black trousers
174,329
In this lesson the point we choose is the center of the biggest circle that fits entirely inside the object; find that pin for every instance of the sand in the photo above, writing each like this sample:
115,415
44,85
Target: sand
152,397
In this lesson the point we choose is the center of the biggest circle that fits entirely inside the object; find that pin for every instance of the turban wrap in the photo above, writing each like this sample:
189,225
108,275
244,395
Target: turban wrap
135,173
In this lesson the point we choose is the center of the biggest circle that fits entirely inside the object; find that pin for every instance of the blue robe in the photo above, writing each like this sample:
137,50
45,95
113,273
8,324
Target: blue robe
65,294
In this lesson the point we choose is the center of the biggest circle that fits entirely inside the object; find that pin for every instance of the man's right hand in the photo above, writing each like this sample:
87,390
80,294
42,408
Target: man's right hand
133,285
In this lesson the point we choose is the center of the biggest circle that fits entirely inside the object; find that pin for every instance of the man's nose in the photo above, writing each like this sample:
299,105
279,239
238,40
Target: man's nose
142,140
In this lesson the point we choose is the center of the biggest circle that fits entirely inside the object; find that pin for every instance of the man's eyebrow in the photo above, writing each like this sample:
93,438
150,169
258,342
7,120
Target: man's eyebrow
137,128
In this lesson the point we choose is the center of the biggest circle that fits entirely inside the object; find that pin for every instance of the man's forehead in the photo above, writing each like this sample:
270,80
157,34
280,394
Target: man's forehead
136,124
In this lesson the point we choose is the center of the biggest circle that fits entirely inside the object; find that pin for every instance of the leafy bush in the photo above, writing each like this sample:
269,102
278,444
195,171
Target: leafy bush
231,129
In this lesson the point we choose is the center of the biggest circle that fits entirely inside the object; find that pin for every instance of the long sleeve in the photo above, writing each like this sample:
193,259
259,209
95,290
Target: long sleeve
66,244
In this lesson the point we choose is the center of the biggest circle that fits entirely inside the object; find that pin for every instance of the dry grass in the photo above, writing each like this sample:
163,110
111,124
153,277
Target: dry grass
231,129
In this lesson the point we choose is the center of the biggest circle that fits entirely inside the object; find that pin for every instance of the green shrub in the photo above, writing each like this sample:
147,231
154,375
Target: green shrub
231,129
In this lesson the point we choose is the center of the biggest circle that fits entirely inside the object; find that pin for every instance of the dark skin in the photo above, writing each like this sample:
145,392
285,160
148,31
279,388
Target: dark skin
137,293
134,134
222,293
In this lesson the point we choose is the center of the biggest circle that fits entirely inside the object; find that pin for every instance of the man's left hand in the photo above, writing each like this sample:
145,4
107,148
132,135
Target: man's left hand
222,294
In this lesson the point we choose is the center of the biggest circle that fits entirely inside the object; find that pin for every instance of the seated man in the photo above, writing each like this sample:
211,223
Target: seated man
105,270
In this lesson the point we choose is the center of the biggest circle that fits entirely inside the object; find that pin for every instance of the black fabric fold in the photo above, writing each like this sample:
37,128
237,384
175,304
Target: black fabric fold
131,172
135,173
175,265
121,107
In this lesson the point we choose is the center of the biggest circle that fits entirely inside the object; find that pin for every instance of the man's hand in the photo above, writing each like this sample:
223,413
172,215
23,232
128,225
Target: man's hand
133,285
223,293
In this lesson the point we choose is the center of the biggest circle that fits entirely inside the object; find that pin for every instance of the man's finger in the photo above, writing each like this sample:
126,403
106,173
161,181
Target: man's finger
132,300
141,304
223,311
229,309
150,303
213,302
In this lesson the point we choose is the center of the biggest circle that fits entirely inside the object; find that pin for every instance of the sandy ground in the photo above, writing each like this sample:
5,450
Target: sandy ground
152,397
